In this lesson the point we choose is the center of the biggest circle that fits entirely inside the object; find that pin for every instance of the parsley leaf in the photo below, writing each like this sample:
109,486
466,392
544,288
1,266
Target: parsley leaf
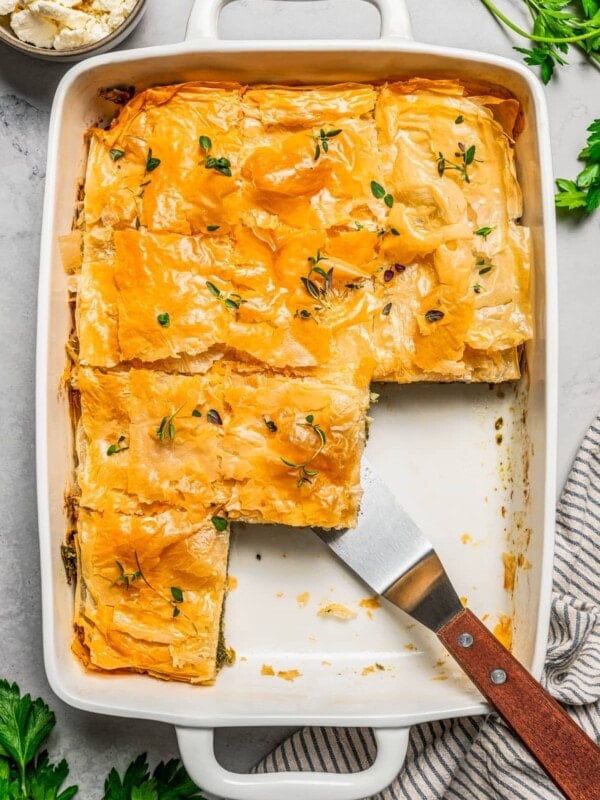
24,725
169,781
584,191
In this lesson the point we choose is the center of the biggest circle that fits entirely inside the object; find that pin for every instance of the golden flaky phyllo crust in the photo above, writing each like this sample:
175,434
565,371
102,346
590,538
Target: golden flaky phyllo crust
251,259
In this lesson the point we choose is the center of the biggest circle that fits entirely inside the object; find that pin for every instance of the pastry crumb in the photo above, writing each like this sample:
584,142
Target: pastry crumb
302,599
336,610
267,669
289,674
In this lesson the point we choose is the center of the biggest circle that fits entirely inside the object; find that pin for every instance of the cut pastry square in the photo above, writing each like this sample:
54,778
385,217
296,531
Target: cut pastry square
169,162
308,156
261,446
456,202
150,592
148,297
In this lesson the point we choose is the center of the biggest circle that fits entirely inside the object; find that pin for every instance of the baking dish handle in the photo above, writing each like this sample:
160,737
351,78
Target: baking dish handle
196,746
204,19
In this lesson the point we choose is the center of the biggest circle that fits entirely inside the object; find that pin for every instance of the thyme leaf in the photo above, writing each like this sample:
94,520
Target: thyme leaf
164,320
177,594
434,315
116,154
214,417
117,447
485,231
220,523
205,143
151,162
377,190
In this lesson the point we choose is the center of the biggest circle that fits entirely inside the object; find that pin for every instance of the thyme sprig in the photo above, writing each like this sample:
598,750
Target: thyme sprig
306,475
232,300
166,429
466,156
318,293
128,578
221,165
322,141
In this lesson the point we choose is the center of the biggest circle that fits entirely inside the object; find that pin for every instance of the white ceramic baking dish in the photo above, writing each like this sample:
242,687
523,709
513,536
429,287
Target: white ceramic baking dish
436,445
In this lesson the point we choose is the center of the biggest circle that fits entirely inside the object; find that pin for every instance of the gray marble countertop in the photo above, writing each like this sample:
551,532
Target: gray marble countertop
92,744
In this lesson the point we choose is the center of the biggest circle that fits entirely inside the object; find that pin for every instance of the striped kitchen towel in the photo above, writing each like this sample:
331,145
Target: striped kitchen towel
478,758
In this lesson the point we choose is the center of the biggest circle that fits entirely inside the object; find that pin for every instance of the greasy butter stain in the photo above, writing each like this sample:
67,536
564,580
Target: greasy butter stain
410,646
503,631
466,538
510,569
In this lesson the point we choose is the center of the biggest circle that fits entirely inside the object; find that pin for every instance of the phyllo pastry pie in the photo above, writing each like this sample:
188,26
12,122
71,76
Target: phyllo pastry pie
251,259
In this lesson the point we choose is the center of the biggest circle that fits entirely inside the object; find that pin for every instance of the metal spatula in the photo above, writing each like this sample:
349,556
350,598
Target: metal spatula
389,552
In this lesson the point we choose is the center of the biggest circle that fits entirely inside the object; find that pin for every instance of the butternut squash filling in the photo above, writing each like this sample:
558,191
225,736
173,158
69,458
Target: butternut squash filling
251,259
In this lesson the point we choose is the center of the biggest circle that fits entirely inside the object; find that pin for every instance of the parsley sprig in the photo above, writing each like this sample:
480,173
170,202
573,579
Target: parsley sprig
556,25
24,725
169,781
306,475
26,774
584,191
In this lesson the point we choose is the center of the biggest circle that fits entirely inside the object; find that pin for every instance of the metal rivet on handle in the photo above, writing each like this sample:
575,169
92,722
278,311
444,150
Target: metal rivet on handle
498,676
465,640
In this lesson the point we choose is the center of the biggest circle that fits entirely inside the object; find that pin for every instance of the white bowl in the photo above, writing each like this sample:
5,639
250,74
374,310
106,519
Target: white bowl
76,53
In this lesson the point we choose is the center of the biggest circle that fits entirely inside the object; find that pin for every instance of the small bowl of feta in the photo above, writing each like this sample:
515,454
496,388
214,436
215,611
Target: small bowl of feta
67,30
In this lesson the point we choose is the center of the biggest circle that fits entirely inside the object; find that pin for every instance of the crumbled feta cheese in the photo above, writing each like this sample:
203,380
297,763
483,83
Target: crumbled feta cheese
58,24
65,16
33,29
7,7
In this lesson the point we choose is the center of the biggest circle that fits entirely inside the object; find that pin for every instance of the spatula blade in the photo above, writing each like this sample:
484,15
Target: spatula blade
392,556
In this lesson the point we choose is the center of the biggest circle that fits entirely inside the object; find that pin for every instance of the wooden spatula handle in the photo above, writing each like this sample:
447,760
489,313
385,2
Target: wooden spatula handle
570,758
